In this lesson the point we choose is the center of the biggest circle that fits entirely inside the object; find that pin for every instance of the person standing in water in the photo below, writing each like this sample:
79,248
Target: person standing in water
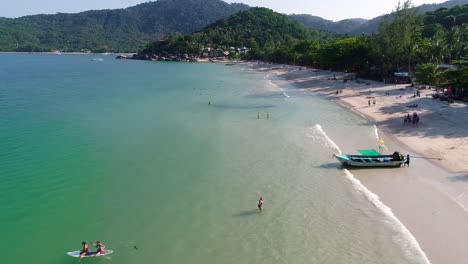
260,204
85,250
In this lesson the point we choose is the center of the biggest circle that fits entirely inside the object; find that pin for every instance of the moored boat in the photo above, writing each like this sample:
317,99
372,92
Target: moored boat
394,160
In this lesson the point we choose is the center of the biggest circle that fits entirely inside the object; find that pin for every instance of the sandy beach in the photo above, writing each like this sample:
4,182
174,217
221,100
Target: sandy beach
430,196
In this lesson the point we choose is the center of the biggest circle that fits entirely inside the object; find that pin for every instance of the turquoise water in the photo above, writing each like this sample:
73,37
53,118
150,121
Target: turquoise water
130,153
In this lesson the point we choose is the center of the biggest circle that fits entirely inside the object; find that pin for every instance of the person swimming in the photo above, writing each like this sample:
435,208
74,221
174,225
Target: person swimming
260,203
85,250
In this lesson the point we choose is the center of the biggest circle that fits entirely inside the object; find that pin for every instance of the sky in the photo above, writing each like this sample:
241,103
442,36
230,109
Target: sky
329,9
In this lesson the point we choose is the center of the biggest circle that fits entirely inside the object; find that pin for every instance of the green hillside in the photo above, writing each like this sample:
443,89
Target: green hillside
119,30
259,29
362,26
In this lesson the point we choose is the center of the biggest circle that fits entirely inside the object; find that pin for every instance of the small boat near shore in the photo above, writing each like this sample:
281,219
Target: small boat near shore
374,160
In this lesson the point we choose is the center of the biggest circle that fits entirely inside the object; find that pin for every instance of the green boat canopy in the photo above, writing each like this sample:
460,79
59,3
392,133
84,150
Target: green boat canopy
369,152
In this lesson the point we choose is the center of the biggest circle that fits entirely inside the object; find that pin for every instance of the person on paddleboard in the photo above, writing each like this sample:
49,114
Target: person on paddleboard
100,248
85,250
260,204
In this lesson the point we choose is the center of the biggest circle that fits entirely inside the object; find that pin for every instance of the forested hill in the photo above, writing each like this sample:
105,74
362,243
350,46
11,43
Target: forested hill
119,30
343,26
130,29
261,30
448,4
362,26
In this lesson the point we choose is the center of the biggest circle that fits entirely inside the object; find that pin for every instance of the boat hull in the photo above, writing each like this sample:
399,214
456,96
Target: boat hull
370,161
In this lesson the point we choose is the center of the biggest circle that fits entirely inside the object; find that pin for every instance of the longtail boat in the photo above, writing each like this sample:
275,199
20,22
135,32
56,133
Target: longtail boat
372,158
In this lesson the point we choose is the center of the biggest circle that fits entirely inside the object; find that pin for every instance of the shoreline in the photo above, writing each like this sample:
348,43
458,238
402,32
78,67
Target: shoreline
62,53
389,115
429,197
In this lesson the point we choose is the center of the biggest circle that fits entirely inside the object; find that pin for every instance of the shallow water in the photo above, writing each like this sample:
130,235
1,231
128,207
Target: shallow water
131,153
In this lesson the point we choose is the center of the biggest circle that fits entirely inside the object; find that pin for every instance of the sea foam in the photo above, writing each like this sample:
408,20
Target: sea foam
282,89
404,238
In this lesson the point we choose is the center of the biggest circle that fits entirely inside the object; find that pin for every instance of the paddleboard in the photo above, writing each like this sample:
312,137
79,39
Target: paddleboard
76,254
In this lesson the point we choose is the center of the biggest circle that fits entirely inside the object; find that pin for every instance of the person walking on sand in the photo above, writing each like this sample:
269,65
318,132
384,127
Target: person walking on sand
368,102
374,101
260,204
407,160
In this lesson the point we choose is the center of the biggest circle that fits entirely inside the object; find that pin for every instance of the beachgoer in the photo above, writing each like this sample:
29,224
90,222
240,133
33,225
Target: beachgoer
415,118
85,250
368,102
100,248
407,160
374,101
260,204
337,91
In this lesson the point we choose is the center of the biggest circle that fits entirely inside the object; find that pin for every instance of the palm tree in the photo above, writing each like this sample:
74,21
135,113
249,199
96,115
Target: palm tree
439,49
428,73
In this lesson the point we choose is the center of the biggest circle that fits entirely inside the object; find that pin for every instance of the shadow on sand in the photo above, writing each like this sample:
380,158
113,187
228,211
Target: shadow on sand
459,178
331,165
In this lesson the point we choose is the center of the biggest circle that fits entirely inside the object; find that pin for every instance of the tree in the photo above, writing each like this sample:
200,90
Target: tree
428,73
399,38
438,48
458,78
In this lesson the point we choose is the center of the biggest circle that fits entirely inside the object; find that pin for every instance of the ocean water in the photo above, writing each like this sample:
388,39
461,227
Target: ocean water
165,163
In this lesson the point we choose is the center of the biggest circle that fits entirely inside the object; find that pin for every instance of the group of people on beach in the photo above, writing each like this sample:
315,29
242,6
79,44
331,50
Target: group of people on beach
414,120
339,91
373,101
85,250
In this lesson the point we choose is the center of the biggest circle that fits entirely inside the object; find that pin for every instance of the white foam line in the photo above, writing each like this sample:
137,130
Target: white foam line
376,130
461,205
458,197
410,240
282,90
319,128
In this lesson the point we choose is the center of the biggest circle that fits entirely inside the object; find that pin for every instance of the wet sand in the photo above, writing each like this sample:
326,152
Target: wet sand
429,197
